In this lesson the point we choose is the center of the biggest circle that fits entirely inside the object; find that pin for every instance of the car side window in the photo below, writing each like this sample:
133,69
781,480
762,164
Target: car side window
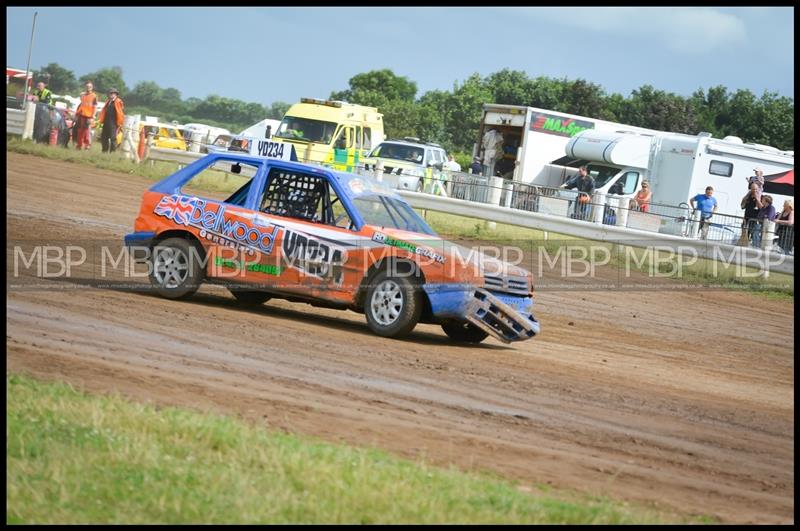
298,195
367,138
343,141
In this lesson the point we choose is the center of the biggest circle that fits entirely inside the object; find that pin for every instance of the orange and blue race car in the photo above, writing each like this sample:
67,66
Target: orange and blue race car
307,233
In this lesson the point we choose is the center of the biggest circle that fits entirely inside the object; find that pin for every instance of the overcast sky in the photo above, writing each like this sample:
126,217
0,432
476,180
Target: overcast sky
282,54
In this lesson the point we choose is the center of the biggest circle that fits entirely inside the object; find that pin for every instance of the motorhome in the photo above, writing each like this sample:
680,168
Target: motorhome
680,166
334,133
517,142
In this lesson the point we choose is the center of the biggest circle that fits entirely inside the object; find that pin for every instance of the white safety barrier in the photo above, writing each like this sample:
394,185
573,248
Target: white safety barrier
20,122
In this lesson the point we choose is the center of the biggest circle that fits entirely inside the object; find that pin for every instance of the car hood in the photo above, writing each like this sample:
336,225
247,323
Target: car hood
480,262
395,163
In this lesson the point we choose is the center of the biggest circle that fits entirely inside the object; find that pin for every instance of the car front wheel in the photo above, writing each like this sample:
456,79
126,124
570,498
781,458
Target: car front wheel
393,305
176,270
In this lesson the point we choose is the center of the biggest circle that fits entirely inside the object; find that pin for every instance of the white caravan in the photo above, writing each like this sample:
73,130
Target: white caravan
199,135
681,166
527,139
263,129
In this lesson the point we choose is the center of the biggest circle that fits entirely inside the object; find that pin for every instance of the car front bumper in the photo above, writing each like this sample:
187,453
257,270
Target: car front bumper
503,316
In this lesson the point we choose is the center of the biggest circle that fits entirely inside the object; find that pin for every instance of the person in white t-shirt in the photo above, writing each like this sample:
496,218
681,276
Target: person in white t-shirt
451,164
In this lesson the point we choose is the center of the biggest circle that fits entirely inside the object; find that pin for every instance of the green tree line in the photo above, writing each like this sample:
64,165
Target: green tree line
148,98
451,117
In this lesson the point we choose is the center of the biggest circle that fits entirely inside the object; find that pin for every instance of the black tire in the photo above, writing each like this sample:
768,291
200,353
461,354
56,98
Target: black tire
464,332
420,186
249,297
176,271
393,305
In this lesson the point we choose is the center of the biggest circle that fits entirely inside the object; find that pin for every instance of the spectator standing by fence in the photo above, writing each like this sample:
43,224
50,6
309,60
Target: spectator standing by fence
451,164
585,185
476,167
785,230
751,203
111,117
85,117
765,212
641,200
43,94
707,204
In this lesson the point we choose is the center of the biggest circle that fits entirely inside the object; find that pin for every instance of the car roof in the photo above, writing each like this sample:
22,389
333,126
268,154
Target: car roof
352,184
412,143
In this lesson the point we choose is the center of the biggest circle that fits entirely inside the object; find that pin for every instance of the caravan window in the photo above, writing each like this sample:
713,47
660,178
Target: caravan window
723,169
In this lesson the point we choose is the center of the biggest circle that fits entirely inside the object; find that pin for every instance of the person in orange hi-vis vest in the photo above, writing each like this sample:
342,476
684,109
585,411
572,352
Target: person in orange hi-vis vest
112,116
85,117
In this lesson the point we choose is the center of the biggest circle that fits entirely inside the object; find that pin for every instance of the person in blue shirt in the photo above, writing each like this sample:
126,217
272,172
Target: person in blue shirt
476,167
707,204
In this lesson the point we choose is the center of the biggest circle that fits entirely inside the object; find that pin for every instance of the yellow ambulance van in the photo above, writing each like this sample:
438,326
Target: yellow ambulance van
333,133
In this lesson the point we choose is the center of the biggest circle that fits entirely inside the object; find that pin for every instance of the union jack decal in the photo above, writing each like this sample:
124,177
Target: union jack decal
176,208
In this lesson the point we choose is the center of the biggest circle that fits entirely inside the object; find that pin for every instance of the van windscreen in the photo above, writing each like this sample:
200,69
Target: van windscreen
295,128
388,150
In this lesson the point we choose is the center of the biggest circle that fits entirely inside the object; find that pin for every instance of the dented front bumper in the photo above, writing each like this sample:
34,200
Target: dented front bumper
504,316
489,313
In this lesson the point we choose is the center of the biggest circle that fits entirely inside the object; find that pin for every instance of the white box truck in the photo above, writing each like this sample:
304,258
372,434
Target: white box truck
532,138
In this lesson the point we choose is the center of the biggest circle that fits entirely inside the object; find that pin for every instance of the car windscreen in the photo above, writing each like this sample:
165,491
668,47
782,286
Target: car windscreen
383,211
399,152
295,128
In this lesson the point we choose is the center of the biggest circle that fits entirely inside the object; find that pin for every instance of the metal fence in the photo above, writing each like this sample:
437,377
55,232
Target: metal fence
677,220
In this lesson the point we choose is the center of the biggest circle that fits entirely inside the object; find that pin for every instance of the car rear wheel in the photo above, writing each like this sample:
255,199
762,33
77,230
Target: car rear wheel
250,297
420,186
464,332
176,270
393,305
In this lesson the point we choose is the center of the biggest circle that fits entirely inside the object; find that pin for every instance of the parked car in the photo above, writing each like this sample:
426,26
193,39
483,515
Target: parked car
406,161
165,135
226,142
311,234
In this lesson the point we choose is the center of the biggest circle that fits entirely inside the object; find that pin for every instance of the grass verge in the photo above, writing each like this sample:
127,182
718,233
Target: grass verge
79,458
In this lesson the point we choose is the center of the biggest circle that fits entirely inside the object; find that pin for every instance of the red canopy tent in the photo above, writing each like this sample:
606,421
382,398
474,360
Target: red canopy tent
780,183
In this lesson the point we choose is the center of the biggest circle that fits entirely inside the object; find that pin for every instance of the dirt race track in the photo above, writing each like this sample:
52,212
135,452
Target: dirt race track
682,400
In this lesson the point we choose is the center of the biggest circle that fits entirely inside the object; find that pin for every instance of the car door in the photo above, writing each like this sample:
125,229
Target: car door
237,242
315,233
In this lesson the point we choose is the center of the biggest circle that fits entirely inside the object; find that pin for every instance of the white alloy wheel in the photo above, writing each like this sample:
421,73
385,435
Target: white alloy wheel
171,267
387,302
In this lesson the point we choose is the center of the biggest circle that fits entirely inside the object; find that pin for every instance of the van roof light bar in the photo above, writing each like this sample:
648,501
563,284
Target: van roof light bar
321,102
